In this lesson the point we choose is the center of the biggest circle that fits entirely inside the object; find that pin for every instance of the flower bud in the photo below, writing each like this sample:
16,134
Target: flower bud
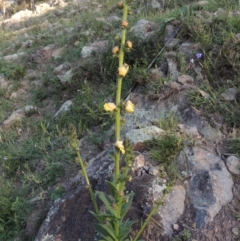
129,44
119,145
110,107
122,71
124,24
129,106
115,50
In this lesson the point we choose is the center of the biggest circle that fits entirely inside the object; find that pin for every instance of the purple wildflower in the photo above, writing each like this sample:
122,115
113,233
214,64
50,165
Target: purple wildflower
199,55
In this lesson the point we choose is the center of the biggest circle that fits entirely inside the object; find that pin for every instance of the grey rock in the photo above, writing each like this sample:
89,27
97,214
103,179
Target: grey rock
173,42
191,132
143,29
15,116
29,110
153,171
62,69
66,78
210,186
155,4
175,227
233,164
156,189
3,83
14,57
138,162
172,66
173,208
64,108
113,19
185,79
20,93
187,49
235,231
144,134
229,94
98,47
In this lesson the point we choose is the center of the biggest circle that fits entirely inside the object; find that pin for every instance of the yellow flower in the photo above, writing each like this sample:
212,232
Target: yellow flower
129,106
119,145
109,107
124,24
115,50
118,37
120,4
122,71
129,44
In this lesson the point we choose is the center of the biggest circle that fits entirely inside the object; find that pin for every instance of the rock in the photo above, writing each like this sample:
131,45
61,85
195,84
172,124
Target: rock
29,110
144,134
3,83
64,108
235,231
155,4
169,39
155,189
210,133
187,49
65,78
22,14
143,29
172,66
138,162
14,22
15,116
156,74
27,44
76,43
204,94
14,57
192,132
173,208
153,171
230,94
175,227
201,3
57,53
185,79
113,18
98,47
20,93
210,185
233,164
62,69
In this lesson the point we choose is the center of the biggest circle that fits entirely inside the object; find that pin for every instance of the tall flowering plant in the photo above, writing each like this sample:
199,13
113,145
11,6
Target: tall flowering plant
111,225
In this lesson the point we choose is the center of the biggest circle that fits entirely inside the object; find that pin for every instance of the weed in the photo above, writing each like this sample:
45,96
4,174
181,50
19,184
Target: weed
169,123
13,210
163,151
57,193
185,235
234,146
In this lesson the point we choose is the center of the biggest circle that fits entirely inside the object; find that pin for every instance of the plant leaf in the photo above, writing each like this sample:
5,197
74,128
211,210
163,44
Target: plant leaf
105,231
112,188
125,229
126,206
108,202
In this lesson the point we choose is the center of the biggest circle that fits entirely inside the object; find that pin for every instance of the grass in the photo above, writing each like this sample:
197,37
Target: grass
39,159
163,151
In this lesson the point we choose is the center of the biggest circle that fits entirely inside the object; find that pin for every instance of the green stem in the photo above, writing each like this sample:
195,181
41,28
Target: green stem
93,198
118,97
154,210
118,118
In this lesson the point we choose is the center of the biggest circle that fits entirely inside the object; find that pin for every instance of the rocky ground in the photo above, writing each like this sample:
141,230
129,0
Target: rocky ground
186,84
